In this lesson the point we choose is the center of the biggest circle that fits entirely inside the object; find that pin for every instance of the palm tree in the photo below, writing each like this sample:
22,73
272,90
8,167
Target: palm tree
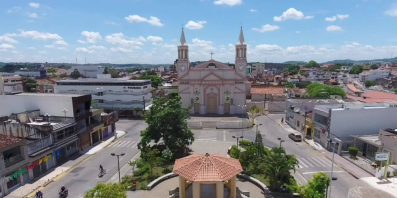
278,166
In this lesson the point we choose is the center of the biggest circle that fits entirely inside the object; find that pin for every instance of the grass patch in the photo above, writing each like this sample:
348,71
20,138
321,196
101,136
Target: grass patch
262,179
144,179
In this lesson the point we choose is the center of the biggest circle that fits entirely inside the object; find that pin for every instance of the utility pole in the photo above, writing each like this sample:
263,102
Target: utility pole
118,163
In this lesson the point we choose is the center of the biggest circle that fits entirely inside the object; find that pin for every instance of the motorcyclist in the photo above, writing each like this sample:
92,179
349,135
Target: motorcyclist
100,168
64,191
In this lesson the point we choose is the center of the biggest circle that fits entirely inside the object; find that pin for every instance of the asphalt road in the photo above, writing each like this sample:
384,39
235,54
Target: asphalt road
310,161
85,176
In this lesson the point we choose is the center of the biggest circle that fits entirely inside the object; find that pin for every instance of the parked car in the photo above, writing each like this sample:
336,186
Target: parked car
295,136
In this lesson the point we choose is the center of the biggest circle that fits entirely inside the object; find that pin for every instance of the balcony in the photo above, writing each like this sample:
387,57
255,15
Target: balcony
13,160
39,144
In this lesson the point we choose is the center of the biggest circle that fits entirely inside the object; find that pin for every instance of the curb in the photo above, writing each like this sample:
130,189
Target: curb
161,179
59,176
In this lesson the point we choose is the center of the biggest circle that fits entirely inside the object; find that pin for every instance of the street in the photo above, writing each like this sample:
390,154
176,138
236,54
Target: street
85,176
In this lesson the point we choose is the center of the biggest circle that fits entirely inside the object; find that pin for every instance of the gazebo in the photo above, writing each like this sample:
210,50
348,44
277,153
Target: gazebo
200,170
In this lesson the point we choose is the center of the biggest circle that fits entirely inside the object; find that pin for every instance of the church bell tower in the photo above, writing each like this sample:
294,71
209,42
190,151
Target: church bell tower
241,55
183,56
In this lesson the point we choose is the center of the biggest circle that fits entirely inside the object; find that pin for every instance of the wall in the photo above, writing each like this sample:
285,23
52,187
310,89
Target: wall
276,106
47,103
389,143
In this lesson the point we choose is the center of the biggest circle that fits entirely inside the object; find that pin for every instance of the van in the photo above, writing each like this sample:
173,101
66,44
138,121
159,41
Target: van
295,136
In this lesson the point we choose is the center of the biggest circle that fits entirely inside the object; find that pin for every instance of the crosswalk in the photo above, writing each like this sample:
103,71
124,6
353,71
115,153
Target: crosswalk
125,144
207,136
311,162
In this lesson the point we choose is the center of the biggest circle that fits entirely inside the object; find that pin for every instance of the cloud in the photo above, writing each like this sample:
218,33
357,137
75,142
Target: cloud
152,20
111,23
195,25
49,46
30,21
342,16
266,28
32,15
393,11
5,46
297,32
291,13
42,52
333,18
168,46
121,49
333,28
309,17
14,9
35,35
95,47
6,39
253,10
268,48
356,44
31,48
84,50
201,43
34,5
154,39
228,2
61,42
297,49
90,37
61,48
120,39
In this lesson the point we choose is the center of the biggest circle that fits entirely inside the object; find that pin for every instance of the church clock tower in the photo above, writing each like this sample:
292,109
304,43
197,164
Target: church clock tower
183,56
241,55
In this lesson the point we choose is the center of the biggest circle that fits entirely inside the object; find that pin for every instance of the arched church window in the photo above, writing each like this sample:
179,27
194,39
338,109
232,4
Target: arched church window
211,64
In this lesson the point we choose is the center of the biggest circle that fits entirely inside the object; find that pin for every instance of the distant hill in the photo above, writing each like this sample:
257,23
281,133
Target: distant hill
362,61
295,62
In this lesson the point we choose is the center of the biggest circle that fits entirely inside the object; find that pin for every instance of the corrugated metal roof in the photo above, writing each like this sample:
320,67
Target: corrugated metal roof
63,125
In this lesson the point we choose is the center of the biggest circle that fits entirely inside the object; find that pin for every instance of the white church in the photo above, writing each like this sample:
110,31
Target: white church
213,87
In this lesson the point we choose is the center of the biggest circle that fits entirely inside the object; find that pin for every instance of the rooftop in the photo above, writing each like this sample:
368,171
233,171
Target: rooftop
371,139
353,88
7,140
267,90
50,95
319,100
108,80
375,97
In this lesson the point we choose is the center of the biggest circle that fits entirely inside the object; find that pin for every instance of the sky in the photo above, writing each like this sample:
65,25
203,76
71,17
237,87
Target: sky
148,31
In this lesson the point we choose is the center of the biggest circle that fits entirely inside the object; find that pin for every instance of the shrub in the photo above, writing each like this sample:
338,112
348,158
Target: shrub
395,173
244,143
235,152
353,151
144,169
140,163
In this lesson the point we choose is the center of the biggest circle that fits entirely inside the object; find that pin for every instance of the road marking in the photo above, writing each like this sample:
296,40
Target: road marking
130,144
307,162
321,163
302,177
313,161
224,135
305,173
124,143
134,145
325,161
302,165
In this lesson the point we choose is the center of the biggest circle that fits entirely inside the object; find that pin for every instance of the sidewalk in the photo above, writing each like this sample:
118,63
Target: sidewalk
64,168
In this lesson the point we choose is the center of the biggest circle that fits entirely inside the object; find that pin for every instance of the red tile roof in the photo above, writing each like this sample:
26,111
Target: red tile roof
375,97
297,90
267,90
353,88
7,140
215,167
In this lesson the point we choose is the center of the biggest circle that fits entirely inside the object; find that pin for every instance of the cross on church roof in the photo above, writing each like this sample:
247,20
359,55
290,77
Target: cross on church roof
211,54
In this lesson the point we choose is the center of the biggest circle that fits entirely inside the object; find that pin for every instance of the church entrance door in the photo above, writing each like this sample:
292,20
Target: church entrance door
227,108
196,108
211,105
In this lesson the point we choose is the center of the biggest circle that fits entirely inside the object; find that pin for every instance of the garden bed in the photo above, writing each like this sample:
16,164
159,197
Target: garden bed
144,179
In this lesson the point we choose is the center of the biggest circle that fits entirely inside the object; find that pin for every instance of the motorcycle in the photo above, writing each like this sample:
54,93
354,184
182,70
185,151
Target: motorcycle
63,194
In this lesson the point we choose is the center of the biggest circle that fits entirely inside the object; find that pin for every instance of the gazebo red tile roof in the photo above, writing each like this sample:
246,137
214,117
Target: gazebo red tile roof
200,167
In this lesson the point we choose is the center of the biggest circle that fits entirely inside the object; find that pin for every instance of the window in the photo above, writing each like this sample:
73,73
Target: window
297,123
320,119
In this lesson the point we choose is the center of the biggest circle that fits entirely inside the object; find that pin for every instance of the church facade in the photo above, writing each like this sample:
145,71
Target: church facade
213,87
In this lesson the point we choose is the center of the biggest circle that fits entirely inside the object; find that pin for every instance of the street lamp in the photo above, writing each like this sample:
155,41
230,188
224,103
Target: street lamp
118,163
281,141
332,166
237,139
257,127
242,121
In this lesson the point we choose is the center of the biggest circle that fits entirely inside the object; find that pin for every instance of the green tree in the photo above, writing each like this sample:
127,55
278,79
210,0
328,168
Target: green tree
51,70
374,66
278,166
356,69
247,159
370,83
54,75
153,159
116,74
156,81
29,84
129,70
293,69
312,64
167,120
133,163
302,84
324,91
235,152
106,71
289,85
244,143
316,188
167,155
395,90
110,190
63,75
75,74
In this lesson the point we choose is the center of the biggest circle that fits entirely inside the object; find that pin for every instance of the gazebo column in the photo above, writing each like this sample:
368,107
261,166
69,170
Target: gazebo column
182,187
233,187
219,190
196,190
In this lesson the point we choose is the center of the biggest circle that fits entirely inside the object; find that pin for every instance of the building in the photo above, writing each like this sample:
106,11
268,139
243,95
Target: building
110,93
267,93
10,84
345,69
388,140
45,85
297,93
213,87
375,97
41,73
343,121
351,89
374,74
89,71
257,68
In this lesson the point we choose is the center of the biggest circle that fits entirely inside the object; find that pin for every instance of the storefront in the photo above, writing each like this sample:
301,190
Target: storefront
85,141
40,168
95,137
105,132
71,149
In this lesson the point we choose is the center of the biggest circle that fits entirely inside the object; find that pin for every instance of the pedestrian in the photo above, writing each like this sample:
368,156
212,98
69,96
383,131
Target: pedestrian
40,194
282,120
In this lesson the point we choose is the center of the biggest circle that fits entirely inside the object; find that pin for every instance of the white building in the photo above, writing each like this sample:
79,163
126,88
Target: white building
257,68
89,71
41,73
348,120
213,87
374,75
10,84
110,93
